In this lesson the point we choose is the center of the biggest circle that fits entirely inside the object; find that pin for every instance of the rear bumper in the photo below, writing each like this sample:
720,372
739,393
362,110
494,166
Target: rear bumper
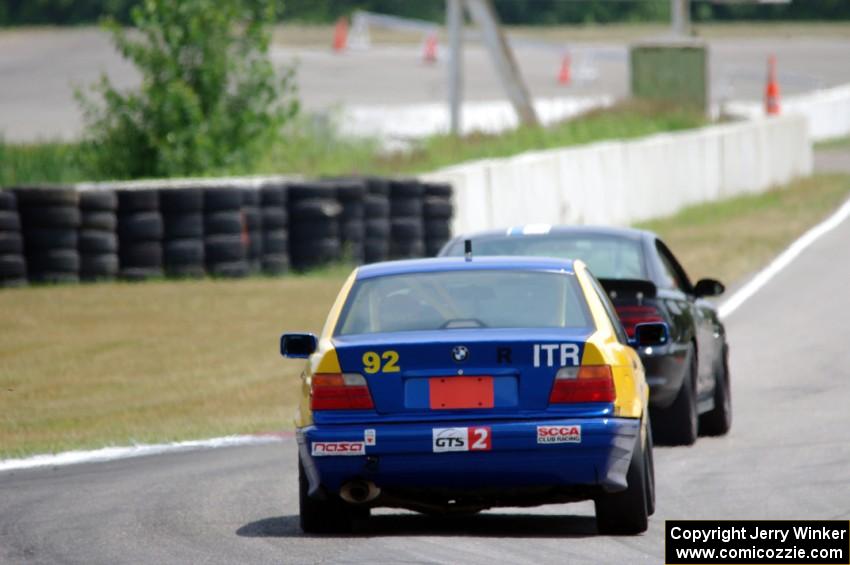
665,370
403,457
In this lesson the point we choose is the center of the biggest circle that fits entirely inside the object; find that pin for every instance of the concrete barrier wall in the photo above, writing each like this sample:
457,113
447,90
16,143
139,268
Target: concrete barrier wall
827,111
622,182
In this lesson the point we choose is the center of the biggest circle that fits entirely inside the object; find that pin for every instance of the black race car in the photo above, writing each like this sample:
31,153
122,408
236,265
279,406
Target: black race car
689,377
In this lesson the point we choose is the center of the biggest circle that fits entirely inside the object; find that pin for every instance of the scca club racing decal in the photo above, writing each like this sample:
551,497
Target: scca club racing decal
322,448
559,434
461,439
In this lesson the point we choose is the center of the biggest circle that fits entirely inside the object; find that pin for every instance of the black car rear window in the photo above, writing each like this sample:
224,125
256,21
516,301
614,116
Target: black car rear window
607,256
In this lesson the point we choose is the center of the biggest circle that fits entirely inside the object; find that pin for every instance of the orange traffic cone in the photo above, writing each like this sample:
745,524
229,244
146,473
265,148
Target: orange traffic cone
564,76
429,55
771,93
340,35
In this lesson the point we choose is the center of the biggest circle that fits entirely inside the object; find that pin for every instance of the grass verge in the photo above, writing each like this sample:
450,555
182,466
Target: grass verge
92,365
316,151
733,238
32,163
837,143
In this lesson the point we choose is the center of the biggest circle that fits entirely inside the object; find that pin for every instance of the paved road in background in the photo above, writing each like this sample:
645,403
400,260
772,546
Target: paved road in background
38,69
787,457
835,160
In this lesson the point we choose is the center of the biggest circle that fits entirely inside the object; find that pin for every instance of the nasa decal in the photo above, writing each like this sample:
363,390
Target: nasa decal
324,448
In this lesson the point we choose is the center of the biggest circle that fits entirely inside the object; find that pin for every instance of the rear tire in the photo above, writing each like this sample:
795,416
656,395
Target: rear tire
719,420
625,512
650,470
679,424
329,516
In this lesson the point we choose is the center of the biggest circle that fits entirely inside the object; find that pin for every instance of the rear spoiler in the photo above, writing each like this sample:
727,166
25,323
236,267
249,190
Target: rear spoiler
617,288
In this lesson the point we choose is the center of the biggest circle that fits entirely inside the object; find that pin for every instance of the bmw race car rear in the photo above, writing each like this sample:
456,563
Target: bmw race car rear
443,426
465,386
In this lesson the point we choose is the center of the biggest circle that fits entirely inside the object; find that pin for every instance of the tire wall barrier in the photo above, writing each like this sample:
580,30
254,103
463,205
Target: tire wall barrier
407,225
49,221
314,213
437,213
275,228
376,211
98,238
621,182
13,265
140,231
351,195
183,250
231,227
226,237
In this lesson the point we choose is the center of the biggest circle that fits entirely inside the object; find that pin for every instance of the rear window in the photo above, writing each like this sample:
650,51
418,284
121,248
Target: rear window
607,257
464,299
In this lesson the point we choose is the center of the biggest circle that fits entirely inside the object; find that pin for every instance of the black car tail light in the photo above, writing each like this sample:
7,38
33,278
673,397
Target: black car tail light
630,316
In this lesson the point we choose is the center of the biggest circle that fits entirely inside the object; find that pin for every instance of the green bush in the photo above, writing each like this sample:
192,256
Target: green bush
209,99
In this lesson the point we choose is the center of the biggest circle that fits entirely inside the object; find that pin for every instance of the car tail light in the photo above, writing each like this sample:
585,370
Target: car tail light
334,391
630,316
587,383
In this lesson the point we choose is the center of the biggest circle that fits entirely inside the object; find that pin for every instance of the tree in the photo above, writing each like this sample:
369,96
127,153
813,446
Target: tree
210,98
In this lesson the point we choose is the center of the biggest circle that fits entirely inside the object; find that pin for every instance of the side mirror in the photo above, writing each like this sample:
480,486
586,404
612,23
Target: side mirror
297,346
650,334
708,287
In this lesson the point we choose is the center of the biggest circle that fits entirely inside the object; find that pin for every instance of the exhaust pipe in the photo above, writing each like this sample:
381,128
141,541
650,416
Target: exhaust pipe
359,492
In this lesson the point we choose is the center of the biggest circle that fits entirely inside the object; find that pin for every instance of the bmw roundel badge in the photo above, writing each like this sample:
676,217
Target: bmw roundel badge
460,353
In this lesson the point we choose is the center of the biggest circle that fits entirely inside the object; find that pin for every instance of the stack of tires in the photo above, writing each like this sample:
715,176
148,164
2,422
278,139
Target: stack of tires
350,193
13,266
50,218
313,225
275,220
406,225
437,212
225,236
253,222
140,233
98,243
183,231
376,205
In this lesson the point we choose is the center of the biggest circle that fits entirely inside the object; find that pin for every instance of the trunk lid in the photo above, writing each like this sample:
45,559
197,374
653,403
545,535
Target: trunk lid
490,372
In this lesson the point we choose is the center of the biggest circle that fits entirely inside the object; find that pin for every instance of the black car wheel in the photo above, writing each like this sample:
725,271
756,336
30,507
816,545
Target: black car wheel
626,512
329,516
679,424
650,470
718,421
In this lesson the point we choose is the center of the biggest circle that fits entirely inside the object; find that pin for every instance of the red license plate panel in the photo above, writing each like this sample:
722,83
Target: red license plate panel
452,393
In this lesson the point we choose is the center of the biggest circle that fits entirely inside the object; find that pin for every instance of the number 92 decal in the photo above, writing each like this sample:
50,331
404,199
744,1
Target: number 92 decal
386,362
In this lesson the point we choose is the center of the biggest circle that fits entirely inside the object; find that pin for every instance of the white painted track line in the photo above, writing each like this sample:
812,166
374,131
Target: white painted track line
783,260
113,453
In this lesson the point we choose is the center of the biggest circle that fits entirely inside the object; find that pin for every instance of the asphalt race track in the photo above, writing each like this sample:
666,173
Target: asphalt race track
787,457
39,69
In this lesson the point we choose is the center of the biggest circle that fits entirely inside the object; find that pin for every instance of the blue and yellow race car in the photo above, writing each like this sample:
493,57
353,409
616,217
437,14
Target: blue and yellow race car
460,384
